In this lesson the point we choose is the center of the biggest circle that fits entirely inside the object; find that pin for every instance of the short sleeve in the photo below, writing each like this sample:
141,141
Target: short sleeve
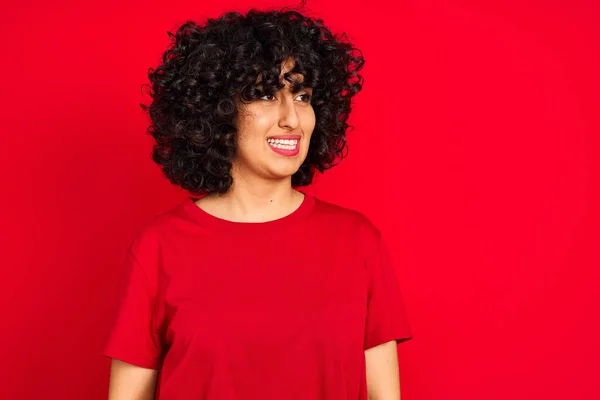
386,315
133,337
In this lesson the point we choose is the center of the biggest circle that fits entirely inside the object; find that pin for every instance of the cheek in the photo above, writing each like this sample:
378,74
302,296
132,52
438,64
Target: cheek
249,146
308,122
253,123
308,133
251,135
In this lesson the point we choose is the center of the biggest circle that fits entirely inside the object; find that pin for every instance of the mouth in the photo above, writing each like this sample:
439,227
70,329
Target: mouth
286,145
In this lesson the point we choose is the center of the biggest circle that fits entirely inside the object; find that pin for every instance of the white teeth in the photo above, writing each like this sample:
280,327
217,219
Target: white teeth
283,146
284,141
286,144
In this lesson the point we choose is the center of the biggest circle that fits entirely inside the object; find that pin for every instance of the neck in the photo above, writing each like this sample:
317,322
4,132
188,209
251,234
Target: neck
254,199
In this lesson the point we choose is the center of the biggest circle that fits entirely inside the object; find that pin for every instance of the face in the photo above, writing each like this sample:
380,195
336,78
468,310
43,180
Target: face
274,132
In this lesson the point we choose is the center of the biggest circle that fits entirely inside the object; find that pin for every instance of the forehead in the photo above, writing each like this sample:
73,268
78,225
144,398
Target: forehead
296,77
295,86
286,66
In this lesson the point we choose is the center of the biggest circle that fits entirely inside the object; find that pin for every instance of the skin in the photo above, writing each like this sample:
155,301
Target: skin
131,382
262,179
262,191
383,375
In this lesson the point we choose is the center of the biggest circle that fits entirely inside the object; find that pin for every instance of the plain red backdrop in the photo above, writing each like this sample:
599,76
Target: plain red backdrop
475,150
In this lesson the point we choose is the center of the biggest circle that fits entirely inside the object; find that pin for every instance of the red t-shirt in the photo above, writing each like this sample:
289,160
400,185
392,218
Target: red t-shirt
272,310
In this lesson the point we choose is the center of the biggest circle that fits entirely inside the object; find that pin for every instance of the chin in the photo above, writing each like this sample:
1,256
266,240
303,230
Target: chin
282,172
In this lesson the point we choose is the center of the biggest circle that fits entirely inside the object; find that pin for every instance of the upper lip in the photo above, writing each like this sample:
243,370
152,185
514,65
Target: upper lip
287,137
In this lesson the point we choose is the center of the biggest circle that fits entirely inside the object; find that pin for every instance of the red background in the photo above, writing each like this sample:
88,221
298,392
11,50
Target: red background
475,150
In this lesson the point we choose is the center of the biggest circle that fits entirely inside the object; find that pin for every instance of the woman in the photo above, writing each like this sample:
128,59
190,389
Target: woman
252,289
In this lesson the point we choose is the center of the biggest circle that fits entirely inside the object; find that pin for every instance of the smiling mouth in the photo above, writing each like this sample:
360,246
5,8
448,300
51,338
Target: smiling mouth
283,144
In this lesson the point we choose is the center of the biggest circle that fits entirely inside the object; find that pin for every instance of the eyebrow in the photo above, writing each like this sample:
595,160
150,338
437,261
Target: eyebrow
300,89
295,86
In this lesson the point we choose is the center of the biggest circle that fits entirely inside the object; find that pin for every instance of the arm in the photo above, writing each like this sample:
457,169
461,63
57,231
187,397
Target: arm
130,382
383,377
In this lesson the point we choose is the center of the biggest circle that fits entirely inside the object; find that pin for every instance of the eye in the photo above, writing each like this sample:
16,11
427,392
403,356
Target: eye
307,97
267,97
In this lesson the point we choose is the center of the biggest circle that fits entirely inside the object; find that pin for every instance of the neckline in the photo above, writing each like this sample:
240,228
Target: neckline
211,221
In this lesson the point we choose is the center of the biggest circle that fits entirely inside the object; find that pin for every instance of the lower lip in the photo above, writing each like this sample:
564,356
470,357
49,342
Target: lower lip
285,152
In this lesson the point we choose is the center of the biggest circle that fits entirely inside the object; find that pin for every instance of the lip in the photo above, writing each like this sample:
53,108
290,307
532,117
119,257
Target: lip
286,137
285,152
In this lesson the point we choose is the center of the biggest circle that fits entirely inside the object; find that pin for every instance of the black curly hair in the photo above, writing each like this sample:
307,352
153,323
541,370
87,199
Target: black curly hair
207,67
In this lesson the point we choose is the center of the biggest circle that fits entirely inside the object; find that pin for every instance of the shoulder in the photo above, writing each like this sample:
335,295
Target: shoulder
348,221
147,240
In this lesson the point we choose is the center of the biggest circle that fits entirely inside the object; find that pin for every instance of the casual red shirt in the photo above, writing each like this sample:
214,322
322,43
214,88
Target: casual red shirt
273,310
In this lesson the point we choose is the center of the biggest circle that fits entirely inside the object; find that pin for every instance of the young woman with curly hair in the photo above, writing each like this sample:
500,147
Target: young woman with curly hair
250,288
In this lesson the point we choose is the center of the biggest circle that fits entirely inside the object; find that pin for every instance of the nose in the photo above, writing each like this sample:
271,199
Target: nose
288,117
